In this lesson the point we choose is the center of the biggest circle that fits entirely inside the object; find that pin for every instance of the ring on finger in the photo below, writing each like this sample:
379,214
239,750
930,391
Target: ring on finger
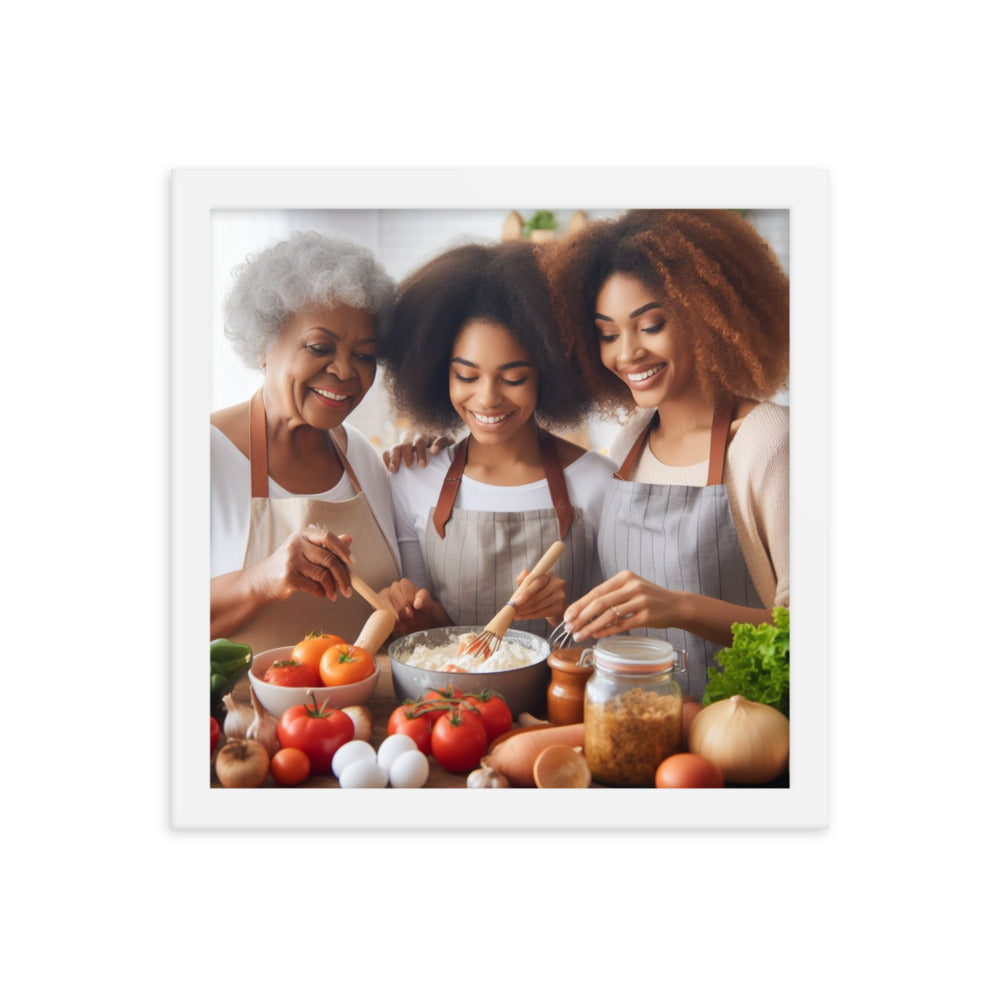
616,613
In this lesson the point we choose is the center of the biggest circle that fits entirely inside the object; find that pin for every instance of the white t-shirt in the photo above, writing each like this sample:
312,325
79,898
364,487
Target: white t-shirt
415,493
230,478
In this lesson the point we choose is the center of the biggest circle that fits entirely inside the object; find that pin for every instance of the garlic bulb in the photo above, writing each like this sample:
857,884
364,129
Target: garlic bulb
238,718
264,728
747,741
486,777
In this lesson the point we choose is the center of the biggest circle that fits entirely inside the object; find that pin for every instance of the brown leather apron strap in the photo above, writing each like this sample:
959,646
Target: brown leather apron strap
258,450
721,419
627,467
258,446
449,490
557,482
554,476
347,465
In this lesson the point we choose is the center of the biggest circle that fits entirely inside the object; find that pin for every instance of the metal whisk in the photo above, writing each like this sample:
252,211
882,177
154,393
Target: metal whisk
486,643
561,636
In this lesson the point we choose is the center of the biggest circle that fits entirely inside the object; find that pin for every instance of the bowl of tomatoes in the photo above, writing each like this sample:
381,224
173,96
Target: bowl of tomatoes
417,667
320,665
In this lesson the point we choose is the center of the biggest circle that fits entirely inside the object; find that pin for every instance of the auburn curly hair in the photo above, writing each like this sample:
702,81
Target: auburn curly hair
502,283
714,270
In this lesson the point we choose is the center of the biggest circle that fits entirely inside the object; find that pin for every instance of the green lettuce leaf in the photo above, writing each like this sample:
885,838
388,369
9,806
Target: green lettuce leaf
756,665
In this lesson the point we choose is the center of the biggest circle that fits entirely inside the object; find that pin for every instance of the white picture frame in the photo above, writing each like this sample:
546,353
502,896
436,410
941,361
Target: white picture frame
195,194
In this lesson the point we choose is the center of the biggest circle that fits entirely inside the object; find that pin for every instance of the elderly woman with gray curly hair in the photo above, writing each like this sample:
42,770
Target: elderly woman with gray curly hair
299,497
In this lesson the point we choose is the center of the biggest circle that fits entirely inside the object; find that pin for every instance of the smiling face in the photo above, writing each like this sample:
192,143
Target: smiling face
640,341
492,383
321,365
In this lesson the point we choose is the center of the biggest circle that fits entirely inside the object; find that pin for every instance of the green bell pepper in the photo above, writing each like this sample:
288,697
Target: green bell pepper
227,663
229,658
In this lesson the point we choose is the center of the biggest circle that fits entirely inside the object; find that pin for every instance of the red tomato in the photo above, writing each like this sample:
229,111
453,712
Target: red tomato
415,723
458,741
311,649
446,692
441,700
291,673
688,770
316,730
290,766
214,732
345,664
493,713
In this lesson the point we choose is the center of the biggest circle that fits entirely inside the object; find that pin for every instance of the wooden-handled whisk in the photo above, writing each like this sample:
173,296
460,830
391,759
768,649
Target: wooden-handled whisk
488,641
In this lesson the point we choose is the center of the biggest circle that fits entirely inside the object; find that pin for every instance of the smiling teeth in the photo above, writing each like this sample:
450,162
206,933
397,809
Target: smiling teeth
331,395
490,420
642,376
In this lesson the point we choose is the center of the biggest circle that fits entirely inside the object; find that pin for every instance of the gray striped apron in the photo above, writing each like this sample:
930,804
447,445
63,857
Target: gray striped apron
680,538
473,556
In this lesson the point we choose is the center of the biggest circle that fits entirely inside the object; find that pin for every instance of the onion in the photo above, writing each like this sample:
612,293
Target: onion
362,719
242,764
689,709
747,741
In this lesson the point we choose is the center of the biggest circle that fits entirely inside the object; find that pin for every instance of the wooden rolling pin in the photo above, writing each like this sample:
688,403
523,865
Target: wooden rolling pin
378,603
376,630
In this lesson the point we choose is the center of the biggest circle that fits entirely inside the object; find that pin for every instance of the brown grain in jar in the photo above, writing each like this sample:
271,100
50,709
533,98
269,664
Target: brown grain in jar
626,737
632,713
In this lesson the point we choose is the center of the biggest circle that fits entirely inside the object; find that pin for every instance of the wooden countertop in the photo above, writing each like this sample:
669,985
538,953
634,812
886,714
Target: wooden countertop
382,703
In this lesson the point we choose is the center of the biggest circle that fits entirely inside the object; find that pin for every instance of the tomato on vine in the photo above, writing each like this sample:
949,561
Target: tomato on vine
440,700
494,713
413,720
458,740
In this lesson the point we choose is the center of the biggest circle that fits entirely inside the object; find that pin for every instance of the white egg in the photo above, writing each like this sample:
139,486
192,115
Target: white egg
409,770
349,753
363,774
391,747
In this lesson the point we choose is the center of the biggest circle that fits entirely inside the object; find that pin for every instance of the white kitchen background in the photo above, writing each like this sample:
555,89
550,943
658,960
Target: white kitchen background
402,239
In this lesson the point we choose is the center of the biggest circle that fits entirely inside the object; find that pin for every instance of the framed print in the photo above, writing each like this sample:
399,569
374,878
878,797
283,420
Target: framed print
405,219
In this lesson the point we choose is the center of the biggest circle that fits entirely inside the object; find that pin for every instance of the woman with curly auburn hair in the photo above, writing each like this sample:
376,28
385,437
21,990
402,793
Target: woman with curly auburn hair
682,318
473,341
298,496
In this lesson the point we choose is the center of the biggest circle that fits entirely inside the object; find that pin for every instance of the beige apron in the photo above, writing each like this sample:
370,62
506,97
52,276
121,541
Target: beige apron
272,520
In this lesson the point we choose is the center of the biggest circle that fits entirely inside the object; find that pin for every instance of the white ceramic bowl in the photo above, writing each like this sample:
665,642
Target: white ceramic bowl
276,697
524,688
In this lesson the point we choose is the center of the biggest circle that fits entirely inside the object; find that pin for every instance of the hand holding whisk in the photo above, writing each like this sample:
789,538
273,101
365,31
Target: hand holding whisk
561,637
488,641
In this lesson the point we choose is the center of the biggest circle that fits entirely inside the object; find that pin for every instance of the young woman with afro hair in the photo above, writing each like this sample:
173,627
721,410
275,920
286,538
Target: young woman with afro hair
681,317
473,345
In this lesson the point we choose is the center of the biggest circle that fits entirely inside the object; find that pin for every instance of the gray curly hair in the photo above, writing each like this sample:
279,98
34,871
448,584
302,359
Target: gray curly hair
306,269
